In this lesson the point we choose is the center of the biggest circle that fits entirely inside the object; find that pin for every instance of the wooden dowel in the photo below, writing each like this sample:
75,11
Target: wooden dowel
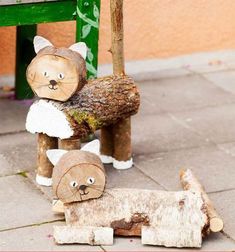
69,144
190,182
44,165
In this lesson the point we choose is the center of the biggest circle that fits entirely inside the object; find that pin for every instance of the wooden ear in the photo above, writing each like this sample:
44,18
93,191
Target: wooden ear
80,48
40,43
55,155
93,147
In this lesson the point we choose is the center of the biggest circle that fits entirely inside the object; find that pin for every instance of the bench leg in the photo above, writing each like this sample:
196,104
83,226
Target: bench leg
24,54
88,32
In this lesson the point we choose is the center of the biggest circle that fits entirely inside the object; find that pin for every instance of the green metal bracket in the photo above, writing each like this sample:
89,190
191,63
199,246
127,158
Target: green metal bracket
88,16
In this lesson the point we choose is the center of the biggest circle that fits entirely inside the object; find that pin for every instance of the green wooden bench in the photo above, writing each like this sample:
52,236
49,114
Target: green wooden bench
26,14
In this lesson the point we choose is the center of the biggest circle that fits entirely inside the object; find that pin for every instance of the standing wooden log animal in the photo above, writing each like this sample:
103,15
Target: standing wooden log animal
172,219
75,107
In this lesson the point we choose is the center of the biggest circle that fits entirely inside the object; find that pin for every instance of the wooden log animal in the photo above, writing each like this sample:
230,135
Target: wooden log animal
57,73
75,107
172,219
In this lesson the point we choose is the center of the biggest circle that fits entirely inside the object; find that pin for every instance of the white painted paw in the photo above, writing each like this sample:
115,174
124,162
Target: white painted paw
122,165
106,159
44,181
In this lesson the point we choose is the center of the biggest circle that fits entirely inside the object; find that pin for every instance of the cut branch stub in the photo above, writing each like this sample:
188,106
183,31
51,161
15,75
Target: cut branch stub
100,103
78,176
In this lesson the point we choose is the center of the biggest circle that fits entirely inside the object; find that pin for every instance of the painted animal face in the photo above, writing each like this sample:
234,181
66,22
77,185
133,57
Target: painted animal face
82,182
57,73
78,175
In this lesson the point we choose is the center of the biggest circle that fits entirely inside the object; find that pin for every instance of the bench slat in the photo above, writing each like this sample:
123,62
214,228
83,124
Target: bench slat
11,2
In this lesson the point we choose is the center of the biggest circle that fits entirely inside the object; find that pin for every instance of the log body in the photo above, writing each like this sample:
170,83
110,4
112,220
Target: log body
127,210
101,102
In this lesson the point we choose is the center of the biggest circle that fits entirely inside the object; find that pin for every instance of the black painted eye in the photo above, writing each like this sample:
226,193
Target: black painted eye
60,76
45,74
73,184
90,180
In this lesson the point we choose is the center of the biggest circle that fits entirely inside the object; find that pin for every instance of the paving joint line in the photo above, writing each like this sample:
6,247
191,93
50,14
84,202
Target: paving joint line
32,225
146,175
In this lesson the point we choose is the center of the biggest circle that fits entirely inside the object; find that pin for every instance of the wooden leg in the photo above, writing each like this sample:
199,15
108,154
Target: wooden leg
45,168
122,144
106,140
69,144
24,54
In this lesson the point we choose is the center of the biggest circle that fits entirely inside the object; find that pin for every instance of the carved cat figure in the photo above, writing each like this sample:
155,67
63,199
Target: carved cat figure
93,214
57,73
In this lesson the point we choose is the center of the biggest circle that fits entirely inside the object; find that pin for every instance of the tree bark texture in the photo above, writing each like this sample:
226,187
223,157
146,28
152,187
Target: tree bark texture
44,167
100,103
179,218
190,182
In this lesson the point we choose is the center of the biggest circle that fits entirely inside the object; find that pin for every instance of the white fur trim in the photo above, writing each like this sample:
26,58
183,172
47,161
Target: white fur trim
106,159
54,155
40,43
93,147
44,117
80,48
43,180
122,165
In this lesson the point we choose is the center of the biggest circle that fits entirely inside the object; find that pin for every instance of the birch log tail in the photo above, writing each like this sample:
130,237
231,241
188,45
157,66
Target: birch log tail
191,183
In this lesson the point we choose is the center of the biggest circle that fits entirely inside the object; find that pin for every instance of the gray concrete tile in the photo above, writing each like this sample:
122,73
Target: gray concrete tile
184,93
213,167
214,123
17,153
22,204
131,178
159,133
212,66
161,74
224,80
37,238
225,206
13,115
214,242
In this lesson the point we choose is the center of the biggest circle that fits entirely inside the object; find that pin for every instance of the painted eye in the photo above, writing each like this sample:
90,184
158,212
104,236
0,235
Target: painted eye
73,184
90,180
45,74
60,76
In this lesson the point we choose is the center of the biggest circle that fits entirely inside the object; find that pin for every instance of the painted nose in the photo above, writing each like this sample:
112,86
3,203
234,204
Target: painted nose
53,82
82,187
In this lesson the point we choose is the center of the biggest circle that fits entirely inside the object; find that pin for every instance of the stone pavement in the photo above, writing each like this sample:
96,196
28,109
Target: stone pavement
187,119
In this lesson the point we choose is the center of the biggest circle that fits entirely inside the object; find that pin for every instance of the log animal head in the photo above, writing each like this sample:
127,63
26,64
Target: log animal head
78,175
57,73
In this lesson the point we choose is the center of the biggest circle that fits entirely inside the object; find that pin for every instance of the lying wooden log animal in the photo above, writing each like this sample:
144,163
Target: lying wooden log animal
75,107
172,219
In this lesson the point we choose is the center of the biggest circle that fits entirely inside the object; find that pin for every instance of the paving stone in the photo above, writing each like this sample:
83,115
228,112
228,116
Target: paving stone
214,123
131,178
22,204
159,133
224,80
37,238
225,202
17,153
13,115
213,167
213,66
214,242
184,93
